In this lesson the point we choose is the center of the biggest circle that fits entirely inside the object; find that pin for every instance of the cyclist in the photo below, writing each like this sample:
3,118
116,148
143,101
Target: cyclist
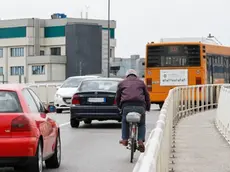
132,96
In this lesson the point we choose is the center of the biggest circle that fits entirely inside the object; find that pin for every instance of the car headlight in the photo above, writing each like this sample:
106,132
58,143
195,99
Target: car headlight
58,95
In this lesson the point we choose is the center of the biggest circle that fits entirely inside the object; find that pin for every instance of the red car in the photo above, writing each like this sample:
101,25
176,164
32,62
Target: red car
27,135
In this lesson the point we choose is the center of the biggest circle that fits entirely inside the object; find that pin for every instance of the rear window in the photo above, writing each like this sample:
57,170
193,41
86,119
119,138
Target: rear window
73,82
9,102
99,85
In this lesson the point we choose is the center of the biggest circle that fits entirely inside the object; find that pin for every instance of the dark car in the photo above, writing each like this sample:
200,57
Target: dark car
95,100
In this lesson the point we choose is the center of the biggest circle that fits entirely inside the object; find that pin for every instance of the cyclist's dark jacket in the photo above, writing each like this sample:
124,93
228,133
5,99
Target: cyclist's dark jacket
133,91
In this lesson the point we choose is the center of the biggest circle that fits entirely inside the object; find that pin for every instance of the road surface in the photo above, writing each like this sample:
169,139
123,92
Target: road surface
95,147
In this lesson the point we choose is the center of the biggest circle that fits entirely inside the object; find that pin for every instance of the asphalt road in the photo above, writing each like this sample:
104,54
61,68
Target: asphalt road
95,147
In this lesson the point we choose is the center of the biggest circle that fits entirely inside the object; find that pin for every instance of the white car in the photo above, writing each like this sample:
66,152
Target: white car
63,96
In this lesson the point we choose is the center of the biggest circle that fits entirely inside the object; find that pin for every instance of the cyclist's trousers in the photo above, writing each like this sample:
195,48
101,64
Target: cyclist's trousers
141,125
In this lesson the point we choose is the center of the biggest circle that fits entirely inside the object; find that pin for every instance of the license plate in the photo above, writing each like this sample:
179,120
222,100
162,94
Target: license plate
96,100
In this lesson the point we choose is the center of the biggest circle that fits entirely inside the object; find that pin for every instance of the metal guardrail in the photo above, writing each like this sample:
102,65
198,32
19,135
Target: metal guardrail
223,113
181,102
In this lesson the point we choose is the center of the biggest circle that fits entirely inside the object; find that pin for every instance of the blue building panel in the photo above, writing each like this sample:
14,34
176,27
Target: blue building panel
59,31
54,31
12,32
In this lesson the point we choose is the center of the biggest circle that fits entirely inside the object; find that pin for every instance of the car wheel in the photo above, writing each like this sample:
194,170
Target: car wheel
74,123
37,164
58,110
55,160
161,105
19,168
88,121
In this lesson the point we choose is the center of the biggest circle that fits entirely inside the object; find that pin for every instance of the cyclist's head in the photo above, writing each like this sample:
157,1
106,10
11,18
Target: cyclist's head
131,72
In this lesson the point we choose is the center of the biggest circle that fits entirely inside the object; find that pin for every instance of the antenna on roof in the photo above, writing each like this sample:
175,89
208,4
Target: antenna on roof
210,36
87,11
81,14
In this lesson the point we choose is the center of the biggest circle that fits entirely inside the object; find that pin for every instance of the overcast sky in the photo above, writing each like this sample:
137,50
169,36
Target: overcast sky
138,21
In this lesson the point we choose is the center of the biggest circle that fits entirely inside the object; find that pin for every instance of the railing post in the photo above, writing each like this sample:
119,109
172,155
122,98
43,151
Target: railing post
198,99
202,99
193,100
211,95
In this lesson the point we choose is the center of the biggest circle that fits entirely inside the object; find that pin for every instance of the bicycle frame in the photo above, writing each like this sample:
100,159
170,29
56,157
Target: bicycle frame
133,127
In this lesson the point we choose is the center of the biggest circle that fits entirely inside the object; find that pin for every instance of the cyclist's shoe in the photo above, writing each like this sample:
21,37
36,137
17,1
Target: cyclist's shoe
124,142
141,146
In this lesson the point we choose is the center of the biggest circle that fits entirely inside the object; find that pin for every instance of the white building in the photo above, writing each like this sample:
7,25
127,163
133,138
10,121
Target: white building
35,48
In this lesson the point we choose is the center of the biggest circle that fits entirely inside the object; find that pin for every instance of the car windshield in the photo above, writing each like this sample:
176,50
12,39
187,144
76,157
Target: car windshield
9,102
99,85
72,82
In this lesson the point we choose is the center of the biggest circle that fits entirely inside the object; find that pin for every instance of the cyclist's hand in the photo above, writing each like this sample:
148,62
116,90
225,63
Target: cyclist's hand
120,111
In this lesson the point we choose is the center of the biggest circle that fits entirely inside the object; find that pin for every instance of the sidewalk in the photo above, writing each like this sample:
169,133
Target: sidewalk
199,145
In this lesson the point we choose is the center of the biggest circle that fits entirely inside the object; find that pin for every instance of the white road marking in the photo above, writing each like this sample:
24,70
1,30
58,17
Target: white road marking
64,124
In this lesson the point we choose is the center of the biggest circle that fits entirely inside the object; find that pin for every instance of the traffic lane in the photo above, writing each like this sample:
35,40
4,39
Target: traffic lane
96,147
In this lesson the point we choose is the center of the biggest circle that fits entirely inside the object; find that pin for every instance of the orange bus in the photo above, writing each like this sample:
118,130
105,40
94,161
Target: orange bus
171,64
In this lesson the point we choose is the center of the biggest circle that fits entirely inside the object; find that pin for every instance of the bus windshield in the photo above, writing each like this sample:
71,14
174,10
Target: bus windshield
173,55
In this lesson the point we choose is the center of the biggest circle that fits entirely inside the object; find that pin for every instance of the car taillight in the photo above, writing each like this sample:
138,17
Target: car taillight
20,124
114,102
149,84
75,100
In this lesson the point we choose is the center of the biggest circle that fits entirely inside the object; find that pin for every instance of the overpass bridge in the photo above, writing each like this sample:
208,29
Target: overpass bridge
191,133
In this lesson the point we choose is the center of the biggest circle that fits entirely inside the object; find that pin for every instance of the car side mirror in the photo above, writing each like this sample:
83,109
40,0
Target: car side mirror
51,108
57,87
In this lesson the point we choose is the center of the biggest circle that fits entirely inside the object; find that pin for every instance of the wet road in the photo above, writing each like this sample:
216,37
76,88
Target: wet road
95,147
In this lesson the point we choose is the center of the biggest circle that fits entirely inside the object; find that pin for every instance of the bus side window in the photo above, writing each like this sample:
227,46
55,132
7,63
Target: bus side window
222,67
209,69
227,69
215,68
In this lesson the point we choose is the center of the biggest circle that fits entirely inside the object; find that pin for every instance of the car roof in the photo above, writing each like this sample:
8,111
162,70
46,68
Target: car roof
103,79
12,87
86,76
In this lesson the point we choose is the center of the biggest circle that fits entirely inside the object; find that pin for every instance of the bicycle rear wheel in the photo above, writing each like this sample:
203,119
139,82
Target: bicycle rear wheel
132,149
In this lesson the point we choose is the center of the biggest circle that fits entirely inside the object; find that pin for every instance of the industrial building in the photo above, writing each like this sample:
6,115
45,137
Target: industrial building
119,66
35,50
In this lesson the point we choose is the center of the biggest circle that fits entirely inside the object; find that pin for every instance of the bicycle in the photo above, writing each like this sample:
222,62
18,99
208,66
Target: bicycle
133,118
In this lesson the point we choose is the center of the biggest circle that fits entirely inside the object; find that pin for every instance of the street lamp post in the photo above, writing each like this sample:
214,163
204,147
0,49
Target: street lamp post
108,39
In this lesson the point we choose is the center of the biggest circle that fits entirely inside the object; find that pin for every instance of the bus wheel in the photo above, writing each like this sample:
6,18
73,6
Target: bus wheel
161,105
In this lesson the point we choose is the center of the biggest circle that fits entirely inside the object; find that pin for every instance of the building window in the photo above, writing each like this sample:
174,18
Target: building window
56,51
17,52
38,70
42,53
110,52
1,52
17,70
1,70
